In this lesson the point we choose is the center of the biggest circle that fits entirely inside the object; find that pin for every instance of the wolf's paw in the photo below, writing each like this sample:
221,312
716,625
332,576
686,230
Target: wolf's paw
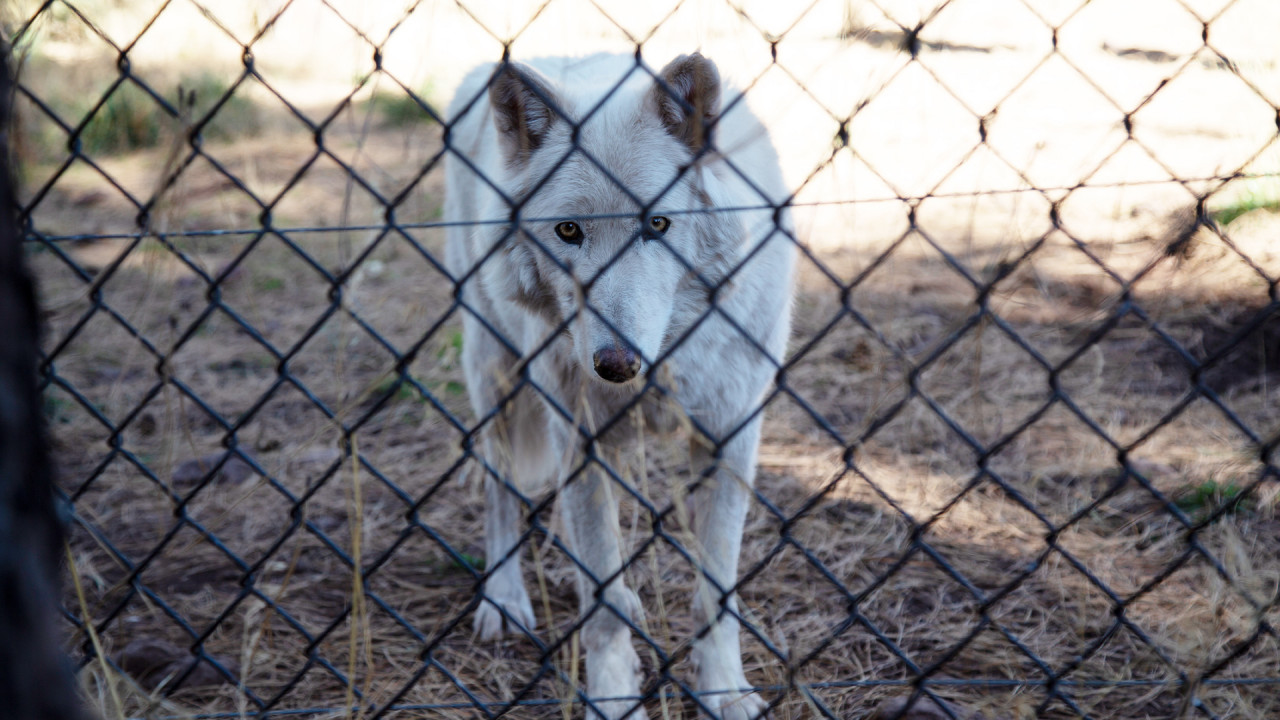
490,623
725,693
736,706
613,682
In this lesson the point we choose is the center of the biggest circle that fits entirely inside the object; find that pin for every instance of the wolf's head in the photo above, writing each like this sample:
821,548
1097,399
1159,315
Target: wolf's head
607,237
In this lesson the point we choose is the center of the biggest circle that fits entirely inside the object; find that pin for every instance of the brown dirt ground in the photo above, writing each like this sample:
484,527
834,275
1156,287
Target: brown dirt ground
993,572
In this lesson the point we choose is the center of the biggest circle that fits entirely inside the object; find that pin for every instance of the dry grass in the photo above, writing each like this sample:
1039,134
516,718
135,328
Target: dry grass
849,528
996,568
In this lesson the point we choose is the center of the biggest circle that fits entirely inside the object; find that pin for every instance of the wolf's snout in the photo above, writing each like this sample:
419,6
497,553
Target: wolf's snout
616,364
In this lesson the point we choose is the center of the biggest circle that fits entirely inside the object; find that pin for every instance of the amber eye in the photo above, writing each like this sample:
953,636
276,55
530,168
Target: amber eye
569,232
658,225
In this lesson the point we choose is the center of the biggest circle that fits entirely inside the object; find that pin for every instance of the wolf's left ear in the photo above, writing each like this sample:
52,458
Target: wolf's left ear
686,97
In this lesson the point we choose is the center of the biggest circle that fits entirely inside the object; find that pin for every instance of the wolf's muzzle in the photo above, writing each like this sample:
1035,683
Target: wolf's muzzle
616,364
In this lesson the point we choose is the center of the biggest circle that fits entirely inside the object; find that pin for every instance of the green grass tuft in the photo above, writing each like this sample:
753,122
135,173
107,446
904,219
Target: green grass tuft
476,562
236,117
270,284
400,110
1203,499
1257,196
128,119
57,410
450,350
403,390
131,119
464,561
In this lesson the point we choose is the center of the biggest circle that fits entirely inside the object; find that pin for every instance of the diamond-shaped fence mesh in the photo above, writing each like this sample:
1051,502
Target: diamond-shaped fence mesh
1017,460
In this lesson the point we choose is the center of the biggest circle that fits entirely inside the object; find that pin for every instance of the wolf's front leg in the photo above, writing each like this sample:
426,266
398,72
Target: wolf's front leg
504,588
590,509
719,513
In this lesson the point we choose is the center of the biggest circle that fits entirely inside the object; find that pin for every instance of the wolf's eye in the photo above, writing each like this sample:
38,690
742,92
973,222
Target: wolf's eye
569,232
658,225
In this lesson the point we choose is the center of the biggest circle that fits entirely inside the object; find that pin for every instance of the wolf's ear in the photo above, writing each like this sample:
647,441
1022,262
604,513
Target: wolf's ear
522,110
686,97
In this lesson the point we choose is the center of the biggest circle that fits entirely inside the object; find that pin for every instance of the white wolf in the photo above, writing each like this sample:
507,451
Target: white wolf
617,232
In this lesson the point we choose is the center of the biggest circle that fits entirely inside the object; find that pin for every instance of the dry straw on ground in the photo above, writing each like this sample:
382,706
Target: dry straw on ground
1001,569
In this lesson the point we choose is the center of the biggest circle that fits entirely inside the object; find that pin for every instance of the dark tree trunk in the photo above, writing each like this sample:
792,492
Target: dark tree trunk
35,678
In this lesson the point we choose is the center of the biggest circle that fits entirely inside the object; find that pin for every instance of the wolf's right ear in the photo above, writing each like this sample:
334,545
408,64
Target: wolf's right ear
522,110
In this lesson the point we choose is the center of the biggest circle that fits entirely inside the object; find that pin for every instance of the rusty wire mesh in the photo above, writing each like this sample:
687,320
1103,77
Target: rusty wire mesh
341,576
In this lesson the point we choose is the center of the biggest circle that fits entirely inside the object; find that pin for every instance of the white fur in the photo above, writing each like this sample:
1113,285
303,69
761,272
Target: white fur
717,374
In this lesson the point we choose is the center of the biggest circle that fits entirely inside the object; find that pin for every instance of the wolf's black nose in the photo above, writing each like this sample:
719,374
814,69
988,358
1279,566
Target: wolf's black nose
616,364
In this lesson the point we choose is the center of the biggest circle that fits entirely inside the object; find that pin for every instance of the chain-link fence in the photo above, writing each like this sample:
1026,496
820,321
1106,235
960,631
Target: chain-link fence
1019,459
